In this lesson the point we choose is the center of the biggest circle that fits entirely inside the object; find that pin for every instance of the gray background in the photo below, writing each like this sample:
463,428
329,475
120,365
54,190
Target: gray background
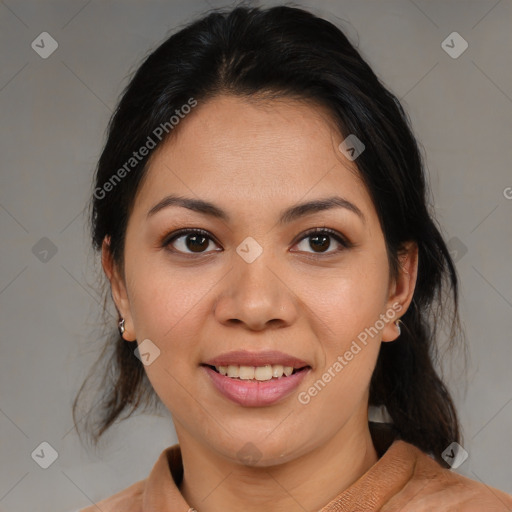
54,115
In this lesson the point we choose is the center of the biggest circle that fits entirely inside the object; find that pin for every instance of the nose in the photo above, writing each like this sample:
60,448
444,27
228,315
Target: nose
256,295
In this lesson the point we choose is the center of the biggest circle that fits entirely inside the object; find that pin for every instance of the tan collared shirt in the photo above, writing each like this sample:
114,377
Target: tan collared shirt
403,479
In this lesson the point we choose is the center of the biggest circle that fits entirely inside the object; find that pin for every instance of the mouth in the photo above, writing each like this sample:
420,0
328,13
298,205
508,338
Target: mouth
255,379
255,386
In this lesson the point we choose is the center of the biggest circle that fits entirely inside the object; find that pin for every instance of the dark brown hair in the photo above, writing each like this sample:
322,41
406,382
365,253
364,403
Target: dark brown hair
289,52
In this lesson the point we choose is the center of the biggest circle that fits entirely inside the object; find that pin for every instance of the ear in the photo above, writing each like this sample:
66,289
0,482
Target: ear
118,289
401,289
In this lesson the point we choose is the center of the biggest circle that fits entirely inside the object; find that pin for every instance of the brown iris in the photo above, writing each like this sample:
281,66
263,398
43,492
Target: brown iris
319,242
196,242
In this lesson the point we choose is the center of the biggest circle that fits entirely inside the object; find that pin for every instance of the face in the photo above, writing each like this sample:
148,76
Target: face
263,284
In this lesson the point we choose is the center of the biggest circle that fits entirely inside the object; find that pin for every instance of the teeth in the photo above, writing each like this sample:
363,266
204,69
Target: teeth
232,371
246,372
265,372
277,370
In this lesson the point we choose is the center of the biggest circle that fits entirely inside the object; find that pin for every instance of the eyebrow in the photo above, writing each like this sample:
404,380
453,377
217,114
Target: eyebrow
287,216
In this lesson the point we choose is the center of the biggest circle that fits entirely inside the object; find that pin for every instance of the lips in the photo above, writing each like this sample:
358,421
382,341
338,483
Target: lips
251,392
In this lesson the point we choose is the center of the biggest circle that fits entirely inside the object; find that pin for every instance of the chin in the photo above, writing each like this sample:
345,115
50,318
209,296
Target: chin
262,452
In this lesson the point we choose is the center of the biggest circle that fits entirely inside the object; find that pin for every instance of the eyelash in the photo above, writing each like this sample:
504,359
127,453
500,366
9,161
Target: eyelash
169,239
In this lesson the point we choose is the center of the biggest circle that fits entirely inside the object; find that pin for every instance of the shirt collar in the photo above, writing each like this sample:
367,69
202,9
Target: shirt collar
394,467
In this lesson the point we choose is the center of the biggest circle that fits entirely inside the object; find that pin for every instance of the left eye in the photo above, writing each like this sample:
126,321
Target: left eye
319,240
198,241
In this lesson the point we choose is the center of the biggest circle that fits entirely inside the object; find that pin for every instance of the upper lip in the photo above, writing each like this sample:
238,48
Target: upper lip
247,358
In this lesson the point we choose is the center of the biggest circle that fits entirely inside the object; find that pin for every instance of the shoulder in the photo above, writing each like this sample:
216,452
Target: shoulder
434,488
127,500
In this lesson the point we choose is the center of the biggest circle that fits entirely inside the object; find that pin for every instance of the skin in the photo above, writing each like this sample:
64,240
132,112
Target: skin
254,159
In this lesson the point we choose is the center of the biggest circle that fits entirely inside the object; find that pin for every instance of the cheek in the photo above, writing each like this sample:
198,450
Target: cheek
164,299
348,301
167,308
347,312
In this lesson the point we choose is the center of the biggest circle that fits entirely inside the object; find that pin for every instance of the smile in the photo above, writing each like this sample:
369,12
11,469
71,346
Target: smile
251,386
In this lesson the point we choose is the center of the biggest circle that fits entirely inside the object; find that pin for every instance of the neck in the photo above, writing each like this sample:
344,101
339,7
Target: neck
212,483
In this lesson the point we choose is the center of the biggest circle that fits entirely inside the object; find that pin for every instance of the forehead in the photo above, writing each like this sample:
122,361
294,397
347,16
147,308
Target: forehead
250,150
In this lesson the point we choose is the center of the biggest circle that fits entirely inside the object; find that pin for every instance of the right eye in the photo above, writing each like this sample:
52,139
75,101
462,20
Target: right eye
194,240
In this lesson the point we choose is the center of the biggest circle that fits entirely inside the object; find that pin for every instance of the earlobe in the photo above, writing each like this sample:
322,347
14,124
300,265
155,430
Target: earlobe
118,290
402,290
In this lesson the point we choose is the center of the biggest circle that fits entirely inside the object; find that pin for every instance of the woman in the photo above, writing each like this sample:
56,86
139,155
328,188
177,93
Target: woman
260,206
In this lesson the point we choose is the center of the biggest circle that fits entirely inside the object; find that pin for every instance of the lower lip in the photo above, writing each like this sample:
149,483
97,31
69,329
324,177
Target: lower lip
253,393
